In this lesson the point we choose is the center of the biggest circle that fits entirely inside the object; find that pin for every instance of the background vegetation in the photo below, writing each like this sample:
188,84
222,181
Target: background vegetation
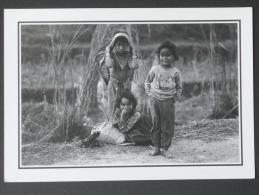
61,88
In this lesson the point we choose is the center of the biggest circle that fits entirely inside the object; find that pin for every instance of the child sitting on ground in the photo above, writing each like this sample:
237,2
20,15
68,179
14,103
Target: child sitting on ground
128,125
163,85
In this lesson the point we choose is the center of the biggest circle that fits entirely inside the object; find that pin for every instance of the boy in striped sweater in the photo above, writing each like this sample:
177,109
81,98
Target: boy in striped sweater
163,86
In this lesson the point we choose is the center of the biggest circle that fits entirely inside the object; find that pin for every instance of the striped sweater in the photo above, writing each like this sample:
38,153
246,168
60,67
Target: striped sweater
163,83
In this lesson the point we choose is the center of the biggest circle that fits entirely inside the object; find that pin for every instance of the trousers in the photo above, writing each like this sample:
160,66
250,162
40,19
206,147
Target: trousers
163,122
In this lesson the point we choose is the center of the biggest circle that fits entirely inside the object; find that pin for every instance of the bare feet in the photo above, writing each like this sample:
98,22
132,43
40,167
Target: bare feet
156,151
165,153
90,141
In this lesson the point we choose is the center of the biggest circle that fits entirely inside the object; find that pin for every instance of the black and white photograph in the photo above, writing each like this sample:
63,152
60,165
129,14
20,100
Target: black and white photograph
142,94
129,94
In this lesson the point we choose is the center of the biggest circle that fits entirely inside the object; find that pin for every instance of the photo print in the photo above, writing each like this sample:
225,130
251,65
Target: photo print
104,94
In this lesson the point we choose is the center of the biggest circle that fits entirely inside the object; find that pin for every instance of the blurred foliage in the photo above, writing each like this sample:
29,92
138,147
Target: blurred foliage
188,37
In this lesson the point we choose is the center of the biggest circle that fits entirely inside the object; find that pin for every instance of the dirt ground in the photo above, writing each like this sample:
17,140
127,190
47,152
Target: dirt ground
206,141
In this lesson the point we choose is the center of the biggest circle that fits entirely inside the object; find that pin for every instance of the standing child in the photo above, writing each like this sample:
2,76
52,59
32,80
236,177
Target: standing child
163,86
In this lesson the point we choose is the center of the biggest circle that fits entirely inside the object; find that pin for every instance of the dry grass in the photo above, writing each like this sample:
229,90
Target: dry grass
39,118
34,76
208,130
193,109
37,121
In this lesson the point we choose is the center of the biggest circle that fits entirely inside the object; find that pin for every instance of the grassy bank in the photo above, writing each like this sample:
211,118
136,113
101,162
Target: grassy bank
38,119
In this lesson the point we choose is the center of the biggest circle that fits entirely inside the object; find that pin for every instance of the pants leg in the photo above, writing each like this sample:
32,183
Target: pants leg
140,133
156,122
167,123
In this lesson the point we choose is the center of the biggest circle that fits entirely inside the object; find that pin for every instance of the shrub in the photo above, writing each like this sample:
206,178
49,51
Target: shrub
226,106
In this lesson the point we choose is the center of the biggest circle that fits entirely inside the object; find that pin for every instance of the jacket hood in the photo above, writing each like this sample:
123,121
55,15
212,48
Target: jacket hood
116,36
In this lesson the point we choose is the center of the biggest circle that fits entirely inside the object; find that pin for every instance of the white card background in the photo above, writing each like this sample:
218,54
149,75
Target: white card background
11,159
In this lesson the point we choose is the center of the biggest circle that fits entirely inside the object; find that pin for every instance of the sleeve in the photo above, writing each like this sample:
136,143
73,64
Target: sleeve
179,85
120,124
105,73
133,120
105,64
149,80
136,62
125,126
116,118
108,61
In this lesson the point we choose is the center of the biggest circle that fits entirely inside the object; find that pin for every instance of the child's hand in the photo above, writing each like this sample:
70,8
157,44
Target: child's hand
124,112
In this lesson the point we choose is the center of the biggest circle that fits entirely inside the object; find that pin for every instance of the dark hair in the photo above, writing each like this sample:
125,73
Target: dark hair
123,39
128,95
169,45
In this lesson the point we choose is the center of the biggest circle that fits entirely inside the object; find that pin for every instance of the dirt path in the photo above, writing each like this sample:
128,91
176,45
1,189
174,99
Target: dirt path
204,142
184,151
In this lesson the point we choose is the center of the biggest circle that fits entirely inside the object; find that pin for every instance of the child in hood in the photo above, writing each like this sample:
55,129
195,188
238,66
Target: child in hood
117,68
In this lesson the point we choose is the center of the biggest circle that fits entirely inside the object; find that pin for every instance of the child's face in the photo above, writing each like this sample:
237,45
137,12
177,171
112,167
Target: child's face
122,46
166,57
126,104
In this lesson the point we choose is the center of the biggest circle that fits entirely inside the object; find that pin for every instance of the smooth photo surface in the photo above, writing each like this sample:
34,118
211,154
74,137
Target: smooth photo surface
146,96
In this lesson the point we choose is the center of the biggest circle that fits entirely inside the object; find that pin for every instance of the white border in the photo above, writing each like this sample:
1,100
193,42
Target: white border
13,174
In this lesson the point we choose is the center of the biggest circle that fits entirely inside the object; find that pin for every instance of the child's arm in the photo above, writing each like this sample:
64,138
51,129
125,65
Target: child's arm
108,59
105,65
116,118
132,121
149,80
120,120
179,86
126,125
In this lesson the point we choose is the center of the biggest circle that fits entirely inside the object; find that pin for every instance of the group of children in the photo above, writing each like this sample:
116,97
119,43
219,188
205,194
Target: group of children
163,87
